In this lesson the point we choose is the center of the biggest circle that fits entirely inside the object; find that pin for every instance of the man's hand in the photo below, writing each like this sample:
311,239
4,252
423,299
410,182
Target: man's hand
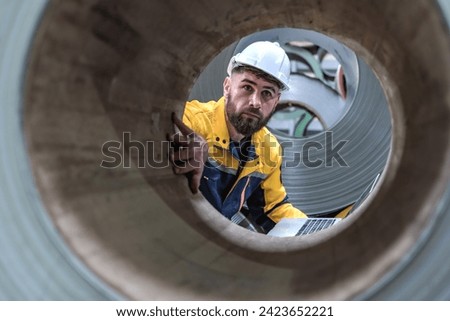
188,154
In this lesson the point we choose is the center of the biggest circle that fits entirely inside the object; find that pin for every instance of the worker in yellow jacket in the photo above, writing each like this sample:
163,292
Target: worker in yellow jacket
224,147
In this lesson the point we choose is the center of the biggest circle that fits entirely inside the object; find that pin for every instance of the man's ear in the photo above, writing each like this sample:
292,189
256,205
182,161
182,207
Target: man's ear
226,86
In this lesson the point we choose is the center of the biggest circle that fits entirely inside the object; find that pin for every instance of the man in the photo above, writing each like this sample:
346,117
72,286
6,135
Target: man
224,148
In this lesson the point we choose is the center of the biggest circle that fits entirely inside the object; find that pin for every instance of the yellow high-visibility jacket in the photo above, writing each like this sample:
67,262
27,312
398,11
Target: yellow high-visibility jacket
238,173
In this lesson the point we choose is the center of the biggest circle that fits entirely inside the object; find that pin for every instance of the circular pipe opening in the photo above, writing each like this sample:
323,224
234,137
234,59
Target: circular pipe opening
332,172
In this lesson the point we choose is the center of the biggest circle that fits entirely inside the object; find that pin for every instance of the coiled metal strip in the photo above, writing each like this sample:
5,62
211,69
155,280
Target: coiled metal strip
316,182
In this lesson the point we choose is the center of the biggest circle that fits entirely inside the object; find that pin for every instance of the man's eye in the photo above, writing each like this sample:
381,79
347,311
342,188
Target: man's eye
247,88
267,94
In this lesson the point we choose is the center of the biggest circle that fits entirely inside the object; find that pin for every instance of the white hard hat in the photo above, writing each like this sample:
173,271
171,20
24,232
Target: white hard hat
266,56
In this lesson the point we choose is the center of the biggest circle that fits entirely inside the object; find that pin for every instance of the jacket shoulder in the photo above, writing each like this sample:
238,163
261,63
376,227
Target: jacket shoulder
195,107
268,148
198,115
269,139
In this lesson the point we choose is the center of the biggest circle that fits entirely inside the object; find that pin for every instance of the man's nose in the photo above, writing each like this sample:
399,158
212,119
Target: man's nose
255,100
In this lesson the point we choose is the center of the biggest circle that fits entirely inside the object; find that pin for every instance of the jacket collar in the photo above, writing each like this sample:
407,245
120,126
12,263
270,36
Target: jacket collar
221,137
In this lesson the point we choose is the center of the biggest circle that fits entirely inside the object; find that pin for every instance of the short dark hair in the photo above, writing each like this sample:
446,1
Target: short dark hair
258,73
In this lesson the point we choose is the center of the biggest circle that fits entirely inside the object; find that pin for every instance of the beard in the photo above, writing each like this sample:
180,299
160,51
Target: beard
245,125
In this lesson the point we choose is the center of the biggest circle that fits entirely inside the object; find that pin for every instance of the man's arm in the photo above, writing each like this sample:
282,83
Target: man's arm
275,196
269,203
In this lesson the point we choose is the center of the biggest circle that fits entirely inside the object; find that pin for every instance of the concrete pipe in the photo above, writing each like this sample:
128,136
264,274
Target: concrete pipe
98,71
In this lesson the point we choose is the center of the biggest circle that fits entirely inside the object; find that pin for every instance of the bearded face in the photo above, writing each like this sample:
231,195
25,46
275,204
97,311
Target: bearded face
246,121
250,101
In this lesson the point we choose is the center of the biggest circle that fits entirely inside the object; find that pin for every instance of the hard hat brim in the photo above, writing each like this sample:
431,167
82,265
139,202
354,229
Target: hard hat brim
235,62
